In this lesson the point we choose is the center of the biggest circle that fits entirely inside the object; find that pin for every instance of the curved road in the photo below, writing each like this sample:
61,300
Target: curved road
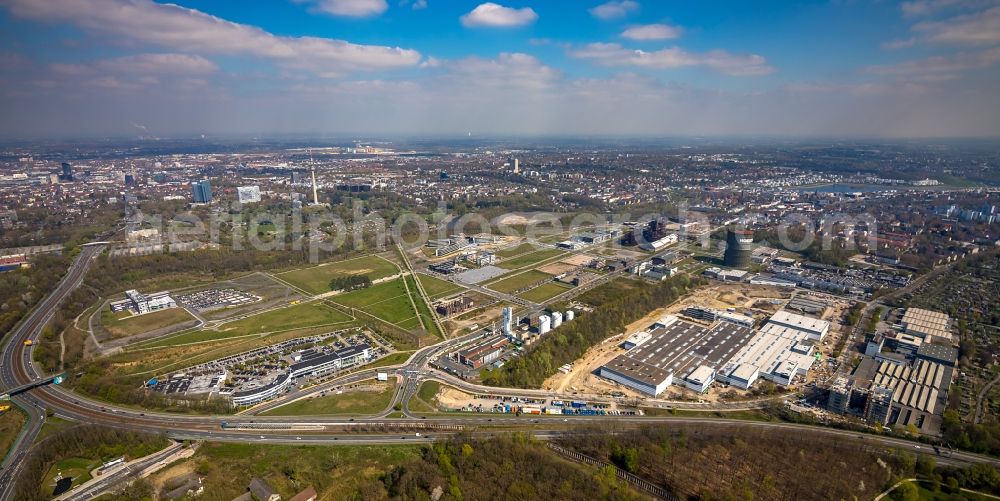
17,369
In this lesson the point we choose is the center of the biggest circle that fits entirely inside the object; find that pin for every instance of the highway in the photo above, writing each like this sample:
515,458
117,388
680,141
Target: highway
18,369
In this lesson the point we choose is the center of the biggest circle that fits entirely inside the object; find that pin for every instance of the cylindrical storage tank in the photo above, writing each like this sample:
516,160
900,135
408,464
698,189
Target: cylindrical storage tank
544,324
739,247
556,319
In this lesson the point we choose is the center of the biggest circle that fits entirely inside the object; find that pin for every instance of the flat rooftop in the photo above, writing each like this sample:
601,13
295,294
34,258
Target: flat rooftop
679,348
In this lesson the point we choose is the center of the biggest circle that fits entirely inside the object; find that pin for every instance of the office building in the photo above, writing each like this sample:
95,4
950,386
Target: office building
201,191
67,172
143,303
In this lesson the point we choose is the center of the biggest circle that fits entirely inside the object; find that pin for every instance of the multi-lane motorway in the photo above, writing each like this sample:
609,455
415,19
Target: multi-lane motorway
17,369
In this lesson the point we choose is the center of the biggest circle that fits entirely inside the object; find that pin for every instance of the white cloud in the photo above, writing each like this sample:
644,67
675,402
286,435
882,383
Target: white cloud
352,8
927,7
982,28
652,32
496,15
189,30
612,54
900,44
935,66
614,9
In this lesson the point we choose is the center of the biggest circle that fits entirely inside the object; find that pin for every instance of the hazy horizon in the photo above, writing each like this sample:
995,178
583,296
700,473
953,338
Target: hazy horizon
531,68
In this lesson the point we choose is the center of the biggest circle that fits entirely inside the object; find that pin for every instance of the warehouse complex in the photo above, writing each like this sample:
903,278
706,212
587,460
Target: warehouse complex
673,351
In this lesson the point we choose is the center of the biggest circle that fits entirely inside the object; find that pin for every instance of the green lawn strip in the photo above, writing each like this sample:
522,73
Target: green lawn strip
350,402
292,317
514,251
396,358
424,309
387,300
428,391
519,281
530,259
316,279
11,423
544,292
437,288
122,325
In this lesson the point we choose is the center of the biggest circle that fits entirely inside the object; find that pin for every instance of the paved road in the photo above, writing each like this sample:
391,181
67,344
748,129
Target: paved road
17,369
103,484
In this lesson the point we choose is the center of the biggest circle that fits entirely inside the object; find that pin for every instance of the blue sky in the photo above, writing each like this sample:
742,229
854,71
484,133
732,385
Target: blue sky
439,67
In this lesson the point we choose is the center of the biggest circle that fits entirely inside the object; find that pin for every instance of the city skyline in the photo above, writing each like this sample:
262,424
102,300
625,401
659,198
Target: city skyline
924,68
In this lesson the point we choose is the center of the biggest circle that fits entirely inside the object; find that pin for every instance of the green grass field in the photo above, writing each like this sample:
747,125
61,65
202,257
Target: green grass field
292,317
423,309
10,425
119,325
513,251
530,259
518,281
428,390
76,468
359,402
437,288
299,316
334,471
391,359
316,279
387,300
545,292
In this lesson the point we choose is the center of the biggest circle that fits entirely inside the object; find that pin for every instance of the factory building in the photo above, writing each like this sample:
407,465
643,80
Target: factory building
483,353
674,352
815,328
659,244
711,315
739,248
777,355
927,324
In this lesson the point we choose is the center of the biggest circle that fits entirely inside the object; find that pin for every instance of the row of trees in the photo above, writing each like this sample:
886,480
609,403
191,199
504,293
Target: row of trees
570,341
350,283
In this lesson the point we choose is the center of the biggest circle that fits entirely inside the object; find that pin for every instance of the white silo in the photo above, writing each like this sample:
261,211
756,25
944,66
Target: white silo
556,319
544,324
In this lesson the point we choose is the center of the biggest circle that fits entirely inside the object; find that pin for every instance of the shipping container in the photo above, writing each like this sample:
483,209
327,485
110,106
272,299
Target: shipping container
577,405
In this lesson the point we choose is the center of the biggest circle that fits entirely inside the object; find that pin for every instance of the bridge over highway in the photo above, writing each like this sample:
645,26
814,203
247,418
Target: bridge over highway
56,379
